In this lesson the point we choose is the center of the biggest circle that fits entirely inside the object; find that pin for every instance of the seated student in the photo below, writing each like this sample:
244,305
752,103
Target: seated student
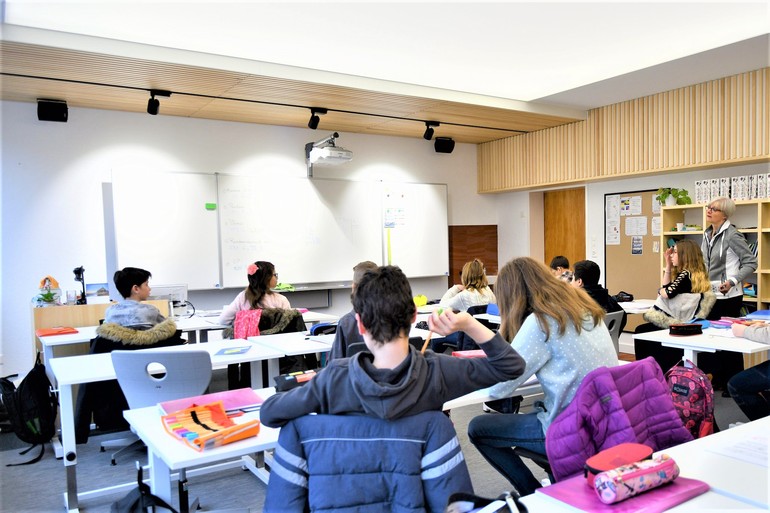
561,335
257,294
473,291
347,340
129,324
750,388
586,275
685,293
560,268
393,379
134,285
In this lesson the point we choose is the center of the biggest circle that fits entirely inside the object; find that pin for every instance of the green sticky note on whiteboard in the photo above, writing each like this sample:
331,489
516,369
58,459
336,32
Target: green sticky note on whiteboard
211,206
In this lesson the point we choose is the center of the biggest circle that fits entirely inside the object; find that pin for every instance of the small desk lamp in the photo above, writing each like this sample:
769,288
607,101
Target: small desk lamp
79,271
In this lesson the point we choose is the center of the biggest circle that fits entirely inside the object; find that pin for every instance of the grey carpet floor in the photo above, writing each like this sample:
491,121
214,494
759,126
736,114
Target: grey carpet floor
39,487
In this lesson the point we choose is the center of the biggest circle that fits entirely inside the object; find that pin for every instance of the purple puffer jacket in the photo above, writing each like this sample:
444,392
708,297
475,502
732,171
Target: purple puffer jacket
627,403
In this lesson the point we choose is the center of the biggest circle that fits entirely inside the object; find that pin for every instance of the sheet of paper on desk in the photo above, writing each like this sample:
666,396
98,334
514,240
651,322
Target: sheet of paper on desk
233,350
752,449
326,339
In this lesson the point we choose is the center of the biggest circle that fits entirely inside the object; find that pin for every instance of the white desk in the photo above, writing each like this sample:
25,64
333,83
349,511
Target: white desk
166,455
315,317
291,344
694,344
709,501
77,370
735,484
727,475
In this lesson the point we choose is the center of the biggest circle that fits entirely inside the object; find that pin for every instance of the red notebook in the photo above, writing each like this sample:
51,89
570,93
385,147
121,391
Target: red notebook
59,330
576,493
242,398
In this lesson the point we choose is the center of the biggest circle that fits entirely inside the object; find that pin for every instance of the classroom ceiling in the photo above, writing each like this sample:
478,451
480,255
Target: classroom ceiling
485,71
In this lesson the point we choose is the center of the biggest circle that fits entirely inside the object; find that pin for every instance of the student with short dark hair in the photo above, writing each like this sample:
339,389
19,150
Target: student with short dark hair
347,339
134,285
586,274
393,379
560,268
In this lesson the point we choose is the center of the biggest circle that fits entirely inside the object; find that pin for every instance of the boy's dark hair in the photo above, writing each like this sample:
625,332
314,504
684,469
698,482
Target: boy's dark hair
126,278
559,261
588,271
383,300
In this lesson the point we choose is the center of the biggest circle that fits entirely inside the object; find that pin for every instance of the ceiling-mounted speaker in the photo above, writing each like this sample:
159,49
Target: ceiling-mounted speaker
52,110
444,144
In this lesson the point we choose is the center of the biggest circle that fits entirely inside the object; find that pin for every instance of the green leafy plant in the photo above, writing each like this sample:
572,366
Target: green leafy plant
47,297
681,195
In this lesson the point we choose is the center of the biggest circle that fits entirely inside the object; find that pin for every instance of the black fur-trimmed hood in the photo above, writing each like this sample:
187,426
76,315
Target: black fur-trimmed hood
134,337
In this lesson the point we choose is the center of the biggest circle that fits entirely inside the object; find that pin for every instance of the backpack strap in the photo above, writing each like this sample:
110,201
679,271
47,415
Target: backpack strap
33,460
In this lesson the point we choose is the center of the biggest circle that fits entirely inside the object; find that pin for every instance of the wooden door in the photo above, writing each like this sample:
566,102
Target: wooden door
564,221
468,242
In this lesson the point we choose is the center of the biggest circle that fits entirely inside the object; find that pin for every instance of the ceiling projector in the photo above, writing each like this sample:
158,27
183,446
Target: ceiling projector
330,155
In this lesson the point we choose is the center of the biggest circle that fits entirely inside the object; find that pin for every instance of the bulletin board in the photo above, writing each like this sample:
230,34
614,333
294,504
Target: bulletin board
632,245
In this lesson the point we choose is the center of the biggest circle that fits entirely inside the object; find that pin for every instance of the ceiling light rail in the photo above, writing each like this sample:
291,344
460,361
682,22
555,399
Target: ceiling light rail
154,105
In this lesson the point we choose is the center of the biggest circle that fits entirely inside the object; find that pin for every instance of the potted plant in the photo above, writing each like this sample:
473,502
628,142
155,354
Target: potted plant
669,196
49,292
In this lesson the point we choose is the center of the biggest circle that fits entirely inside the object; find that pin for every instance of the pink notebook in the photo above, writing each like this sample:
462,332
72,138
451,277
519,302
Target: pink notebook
231,400
576,493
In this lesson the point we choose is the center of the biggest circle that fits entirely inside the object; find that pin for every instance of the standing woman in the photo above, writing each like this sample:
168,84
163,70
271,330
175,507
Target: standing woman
258,294
729,261
560,333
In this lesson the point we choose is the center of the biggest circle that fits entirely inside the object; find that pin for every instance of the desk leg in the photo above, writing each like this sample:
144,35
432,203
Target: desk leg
66,408
192,337
160,477
47,355
256,374
272,369
691,355
204,336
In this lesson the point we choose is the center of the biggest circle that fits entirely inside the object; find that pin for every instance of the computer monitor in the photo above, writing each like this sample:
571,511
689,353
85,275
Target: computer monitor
175,294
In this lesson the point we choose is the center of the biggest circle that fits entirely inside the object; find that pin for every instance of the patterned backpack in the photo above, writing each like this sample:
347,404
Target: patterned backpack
693,397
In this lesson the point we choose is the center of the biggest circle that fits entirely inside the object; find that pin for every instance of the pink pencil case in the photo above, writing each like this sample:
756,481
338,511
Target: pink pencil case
628,480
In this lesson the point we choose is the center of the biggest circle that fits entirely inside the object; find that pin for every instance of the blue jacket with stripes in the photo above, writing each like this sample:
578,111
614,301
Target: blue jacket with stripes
364,464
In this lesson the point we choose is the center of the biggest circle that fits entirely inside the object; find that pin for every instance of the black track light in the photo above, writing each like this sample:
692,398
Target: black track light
314,119
428,135
153,104
444,144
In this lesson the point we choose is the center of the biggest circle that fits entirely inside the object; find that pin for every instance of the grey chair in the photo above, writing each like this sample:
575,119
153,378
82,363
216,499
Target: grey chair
613,321
151,377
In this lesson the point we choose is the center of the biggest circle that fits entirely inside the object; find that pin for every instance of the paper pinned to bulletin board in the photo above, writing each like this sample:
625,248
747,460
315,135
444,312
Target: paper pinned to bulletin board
632,246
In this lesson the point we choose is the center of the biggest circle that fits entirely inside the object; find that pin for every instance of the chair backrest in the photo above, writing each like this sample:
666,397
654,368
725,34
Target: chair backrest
412,464
613,321
187,373
323,328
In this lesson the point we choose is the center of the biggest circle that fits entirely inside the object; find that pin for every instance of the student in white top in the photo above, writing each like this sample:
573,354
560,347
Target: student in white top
258,294
473,291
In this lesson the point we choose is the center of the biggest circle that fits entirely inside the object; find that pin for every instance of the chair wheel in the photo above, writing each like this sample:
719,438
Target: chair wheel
102,449
113,462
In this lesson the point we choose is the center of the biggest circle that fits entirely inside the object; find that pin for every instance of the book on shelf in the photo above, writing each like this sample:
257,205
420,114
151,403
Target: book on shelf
243,399
576,493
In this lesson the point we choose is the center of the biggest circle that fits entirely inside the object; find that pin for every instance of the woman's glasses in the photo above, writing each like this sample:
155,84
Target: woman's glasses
713,209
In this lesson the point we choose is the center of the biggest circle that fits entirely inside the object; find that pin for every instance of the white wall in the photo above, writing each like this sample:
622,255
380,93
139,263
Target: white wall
52,176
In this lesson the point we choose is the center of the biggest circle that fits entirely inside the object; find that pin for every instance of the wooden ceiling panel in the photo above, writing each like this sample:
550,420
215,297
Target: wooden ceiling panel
94,80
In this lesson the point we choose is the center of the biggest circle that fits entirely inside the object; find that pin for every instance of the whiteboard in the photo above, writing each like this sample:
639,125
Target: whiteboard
312,230
205,229
162,225
415,233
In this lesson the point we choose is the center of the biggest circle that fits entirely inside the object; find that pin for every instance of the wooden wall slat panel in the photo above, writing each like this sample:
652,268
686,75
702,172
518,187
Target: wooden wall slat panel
721,122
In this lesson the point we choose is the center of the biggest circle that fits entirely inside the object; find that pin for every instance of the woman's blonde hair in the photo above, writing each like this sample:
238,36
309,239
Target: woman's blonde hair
474,275
525,286
691,258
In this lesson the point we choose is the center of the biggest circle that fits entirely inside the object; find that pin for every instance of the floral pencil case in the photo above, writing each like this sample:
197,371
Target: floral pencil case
628,480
